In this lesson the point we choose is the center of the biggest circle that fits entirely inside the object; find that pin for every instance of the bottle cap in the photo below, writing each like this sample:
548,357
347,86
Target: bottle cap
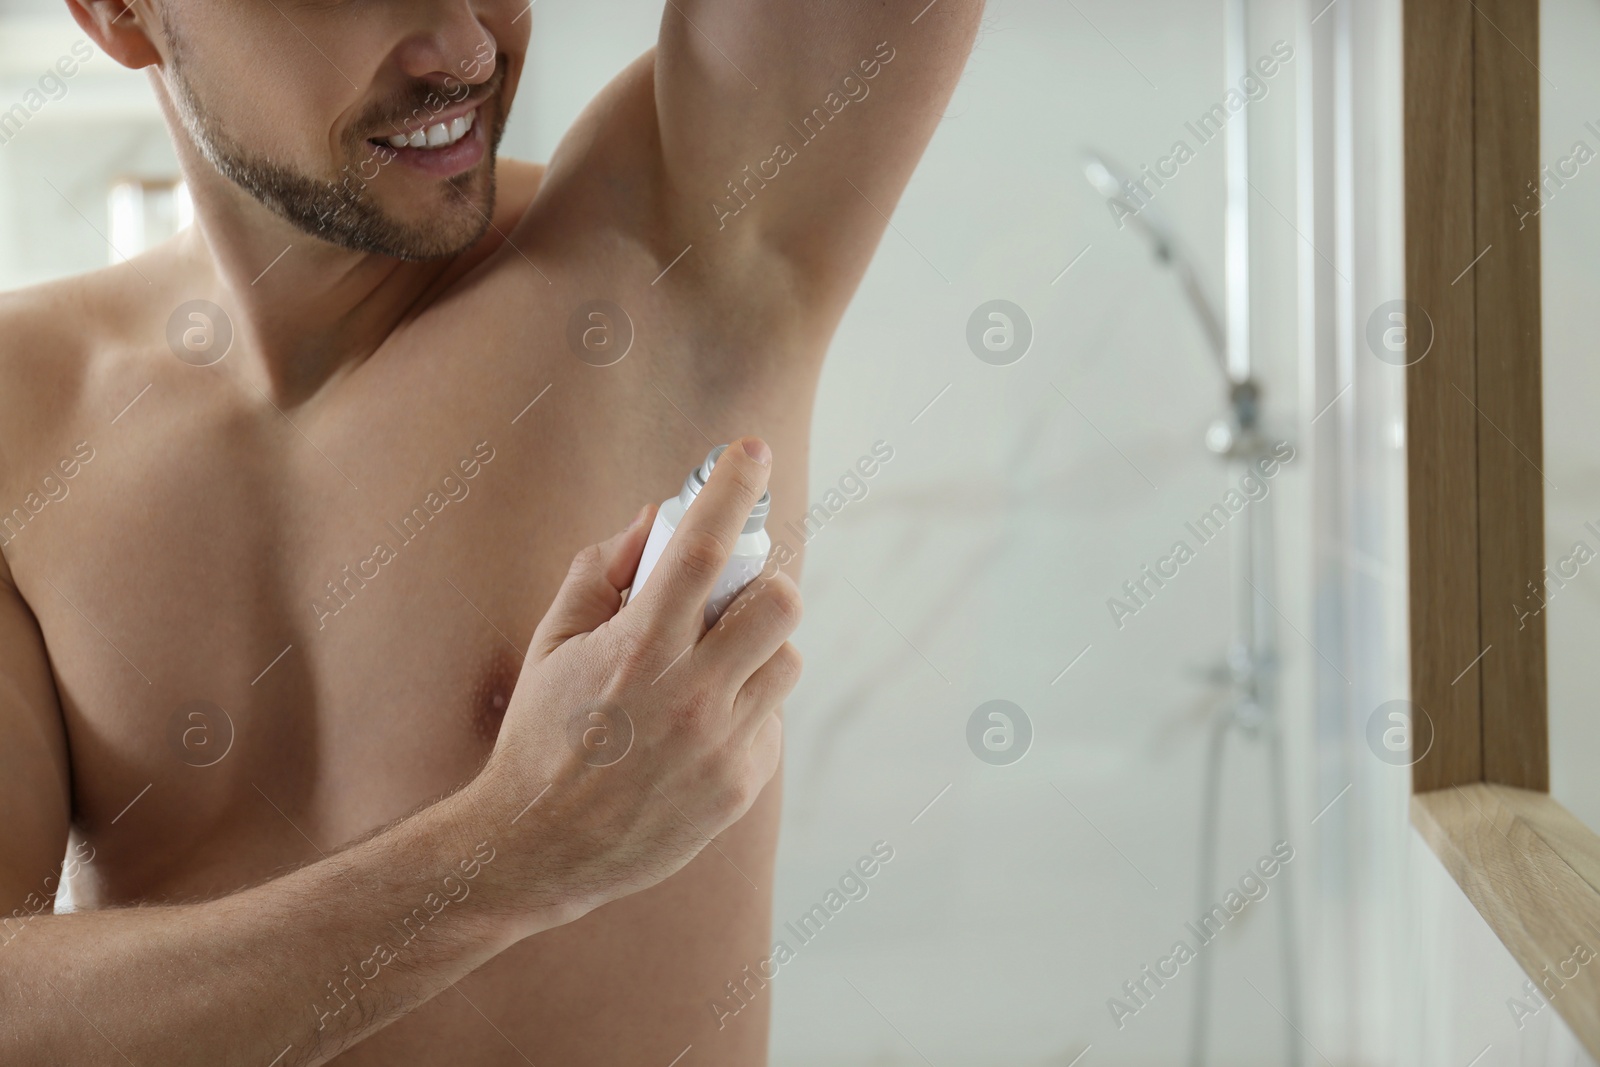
697,481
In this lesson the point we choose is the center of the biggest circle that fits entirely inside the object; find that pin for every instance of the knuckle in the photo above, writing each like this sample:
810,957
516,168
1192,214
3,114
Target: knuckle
747,477
774,722
737,789
635,656
767,751
702,554
587,561
785,602
789,664
696,710
644,627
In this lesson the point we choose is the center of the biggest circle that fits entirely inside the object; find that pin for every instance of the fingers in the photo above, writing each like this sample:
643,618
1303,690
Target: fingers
767,747
699,549
592,590
755,625
760,697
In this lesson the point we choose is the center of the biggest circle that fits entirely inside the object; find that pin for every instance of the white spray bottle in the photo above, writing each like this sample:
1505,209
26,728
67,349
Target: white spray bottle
749,551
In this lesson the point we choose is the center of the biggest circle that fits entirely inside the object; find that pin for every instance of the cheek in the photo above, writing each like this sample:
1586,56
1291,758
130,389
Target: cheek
511,37
272,93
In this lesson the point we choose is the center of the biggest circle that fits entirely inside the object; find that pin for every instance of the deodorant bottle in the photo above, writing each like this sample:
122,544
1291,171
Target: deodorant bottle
749,551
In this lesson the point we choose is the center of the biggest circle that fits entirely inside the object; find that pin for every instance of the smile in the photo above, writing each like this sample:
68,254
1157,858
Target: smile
439,135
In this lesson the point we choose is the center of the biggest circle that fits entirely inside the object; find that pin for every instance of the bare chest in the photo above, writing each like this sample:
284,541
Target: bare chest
273,631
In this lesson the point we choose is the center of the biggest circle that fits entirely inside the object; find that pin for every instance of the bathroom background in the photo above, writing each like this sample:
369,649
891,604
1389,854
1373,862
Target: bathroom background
986,558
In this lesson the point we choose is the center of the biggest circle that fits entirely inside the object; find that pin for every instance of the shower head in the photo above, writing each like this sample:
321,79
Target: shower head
1129,206
1122,193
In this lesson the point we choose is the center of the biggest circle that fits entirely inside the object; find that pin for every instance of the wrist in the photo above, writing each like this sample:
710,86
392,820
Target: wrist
502,841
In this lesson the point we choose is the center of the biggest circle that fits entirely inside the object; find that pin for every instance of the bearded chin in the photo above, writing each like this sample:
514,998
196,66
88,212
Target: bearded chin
342,210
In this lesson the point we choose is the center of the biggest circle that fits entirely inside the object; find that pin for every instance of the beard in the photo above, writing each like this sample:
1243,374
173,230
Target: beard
341,210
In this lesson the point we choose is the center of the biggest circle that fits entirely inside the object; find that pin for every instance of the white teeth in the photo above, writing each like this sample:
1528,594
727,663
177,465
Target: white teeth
437,135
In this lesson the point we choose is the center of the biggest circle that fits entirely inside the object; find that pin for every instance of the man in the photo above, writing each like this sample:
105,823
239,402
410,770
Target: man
284,498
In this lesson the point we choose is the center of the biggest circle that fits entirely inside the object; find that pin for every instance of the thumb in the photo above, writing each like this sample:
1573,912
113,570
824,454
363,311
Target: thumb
592,591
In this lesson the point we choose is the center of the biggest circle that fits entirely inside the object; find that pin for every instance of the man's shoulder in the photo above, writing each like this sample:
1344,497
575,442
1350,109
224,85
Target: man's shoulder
50,336
57,320
517,182
42,341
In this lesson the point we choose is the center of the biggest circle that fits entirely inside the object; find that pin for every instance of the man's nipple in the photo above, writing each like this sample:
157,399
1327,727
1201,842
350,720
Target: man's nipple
491,694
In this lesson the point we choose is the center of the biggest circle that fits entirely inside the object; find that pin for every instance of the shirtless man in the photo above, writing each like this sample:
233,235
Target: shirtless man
296,616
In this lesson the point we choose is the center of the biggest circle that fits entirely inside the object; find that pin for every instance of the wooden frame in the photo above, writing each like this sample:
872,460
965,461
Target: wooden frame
1476,495
1476,500
1530,868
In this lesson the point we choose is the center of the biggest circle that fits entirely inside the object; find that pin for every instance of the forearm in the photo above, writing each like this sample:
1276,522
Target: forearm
306,965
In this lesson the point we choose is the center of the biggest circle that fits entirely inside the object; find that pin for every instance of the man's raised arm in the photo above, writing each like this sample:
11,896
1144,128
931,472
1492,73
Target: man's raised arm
797,123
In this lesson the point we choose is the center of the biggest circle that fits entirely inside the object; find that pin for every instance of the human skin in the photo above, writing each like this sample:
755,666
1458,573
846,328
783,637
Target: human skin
389,724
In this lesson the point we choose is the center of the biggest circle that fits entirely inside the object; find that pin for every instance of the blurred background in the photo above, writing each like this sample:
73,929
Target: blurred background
1037,872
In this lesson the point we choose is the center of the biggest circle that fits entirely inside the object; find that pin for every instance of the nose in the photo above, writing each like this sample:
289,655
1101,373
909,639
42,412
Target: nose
455,45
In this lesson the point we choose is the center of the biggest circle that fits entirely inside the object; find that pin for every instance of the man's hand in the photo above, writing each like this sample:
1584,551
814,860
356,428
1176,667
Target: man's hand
642,734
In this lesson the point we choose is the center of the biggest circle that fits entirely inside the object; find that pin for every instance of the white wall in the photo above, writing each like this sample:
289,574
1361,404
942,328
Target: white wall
56,170
1570,225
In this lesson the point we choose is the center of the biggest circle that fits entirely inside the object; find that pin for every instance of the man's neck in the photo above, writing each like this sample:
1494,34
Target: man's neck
303,311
